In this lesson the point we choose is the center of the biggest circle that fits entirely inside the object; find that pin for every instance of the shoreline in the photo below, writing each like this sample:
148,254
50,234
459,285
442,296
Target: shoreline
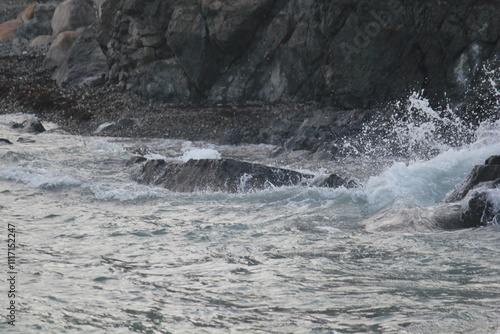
26,87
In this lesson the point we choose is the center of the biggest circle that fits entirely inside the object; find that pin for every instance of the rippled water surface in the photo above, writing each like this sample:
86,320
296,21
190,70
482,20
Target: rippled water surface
98,253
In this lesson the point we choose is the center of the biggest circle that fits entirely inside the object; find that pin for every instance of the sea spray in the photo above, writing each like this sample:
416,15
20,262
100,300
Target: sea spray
412,130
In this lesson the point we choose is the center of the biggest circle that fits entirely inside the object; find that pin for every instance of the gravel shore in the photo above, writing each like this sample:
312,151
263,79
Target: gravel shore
26,86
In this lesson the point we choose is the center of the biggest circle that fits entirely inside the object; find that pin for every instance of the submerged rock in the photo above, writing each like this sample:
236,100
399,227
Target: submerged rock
224,175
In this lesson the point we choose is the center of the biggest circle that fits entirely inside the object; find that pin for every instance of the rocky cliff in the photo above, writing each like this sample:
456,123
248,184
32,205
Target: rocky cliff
348,54
352,54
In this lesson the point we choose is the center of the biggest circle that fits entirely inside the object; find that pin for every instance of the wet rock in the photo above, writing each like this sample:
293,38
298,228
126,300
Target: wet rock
226,175
25,140
5,141
31,125
73,14
127,122
490,171
473,204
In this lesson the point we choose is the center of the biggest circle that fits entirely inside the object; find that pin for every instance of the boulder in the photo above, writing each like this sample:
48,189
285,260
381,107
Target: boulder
73,14
84,63
40,24
31,125
59,49
226,175
42,42
27,14
8,29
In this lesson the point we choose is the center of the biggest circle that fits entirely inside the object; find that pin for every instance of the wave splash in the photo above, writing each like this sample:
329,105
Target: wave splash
414,130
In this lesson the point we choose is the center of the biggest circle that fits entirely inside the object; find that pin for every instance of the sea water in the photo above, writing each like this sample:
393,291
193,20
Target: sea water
96,252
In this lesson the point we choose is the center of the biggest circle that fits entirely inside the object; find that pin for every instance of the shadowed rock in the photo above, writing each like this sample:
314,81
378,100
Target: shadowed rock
224,175
490,171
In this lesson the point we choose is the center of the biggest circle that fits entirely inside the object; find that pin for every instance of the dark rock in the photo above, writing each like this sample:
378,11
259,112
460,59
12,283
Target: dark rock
471,205
349,54
480,211
335,181
127,122
493,160
223,175
32,125
16,125
5,141
25,140
490,171
187,36
473,195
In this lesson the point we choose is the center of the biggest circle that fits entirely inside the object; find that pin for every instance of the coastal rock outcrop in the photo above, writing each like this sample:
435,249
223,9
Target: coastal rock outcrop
226,175
355,54
475,203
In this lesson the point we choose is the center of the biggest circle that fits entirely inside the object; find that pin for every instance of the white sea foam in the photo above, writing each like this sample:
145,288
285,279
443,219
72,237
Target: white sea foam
35,177
426,182
124,194
414,131
200,153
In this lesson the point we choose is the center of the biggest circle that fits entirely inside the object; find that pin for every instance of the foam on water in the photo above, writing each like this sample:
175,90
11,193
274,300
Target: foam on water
108,148
35,177
124,194
200,153
426,182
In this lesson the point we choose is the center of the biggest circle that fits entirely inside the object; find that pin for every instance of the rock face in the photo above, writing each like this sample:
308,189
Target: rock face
352,54
474,203
226,175
347,54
